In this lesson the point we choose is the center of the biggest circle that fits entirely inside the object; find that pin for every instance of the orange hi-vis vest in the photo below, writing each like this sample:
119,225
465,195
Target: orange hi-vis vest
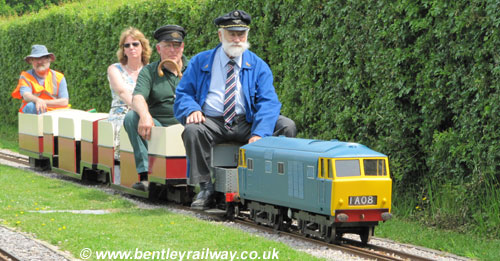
49,91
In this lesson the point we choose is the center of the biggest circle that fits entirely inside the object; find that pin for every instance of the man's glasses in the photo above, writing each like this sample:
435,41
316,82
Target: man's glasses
175,45
135,44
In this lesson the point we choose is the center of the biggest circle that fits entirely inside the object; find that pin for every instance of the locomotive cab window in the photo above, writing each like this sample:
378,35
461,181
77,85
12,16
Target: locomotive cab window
347,168
322,168
374,167
281,168
330,169
325,168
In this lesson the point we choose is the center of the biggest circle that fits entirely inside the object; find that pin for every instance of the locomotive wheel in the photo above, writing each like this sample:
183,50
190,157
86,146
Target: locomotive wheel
300,226
287,223
237,211
277,222
331,235
253,216
366,235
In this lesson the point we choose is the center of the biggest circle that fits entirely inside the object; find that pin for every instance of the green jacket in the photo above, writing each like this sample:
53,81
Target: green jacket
159,92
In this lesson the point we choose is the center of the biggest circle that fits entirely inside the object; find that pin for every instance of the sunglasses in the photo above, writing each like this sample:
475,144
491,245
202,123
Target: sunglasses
135,44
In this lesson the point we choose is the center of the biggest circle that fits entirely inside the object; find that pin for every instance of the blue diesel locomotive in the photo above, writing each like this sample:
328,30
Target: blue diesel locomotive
327,188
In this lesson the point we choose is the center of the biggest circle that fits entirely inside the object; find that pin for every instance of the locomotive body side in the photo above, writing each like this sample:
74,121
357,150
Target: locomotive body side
278,172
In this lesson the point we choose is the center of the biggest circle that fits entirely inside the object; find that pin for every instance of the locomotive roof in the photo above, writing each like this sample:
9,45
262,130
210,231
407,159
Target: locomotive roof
332,148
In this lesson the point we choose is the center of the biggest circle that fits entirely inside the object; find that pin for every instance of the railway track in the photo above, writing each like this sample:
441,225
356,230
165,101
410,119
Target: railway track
350,246
6,256
14,158
353,247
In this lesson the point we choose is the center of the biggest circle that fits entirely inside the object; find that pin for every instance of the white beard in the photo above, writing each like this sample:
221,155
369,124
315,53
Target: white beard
233,49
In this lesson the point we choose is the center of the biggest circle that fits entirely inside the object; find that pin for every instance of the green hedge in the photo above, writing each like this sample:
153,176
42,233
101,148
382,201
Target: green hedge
416,80
19,7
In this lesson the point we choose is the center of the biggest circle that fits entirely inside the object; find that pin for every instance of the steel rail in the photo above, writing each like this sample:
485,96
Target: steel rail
404,255
352,247
14,158
6,256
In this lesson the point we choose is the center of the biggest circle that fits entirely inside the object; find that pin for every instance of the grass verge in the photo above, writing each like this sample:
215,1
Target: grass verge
126,227
466,245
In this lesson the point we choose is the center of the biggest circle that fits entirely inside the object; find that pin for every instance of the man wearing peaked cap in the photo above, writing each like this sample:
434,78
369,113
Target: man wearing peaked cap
41,89
226,94
170,33
154,95
234,21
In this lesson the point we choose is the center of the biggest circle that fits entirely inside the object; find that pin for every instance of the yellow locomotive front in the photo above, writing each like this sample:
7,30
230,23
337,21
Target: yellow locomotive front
361,188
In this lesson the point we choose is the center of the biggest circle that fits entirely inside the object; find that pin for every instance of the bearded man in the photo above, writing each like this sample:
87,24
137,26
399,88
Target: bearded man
226,94
41,89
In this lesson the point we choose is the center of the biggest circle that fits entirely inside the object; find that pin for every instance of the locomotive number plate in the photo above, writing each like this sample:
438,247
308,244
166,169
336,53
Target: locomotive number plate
362,200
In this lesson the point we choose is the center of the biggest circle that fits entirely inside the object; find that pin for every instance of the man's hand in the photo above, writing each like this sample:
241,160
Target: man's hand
254,139
145,125
41,105
195,117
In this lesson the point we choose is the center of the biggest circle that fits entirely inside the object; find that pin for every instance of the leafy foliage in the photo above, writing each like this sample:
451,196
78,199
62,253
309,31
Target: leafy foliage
20,7
417,80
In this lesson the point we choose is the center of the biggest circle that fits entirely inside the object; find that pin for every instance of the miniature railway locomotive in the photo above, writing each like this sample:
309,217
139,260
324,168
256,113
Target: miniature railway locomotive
328,187
321,188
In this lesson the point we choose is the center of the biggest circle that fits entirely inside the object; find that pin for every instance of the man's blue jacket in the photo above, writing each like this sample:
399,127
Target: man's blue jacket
261,102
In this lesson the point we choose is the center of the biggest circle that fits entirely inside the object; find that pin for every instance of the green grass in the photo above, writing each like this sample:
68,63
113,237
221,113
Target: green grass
126,227
466,245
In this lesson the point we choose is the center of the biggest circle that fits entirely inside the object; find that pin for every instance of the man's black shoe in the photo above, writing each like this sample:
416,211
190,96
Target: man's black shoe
204,200
205,197
142,186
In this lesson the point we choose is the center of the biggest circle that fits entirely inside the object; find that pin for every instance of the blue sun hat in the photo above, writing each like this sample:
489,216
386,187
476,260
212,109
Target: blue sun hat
38,51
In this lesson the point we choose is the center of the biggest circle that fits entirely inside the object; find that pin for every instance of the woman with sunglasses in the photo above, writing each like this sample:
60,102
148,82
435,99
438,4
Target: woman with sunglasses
133,53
